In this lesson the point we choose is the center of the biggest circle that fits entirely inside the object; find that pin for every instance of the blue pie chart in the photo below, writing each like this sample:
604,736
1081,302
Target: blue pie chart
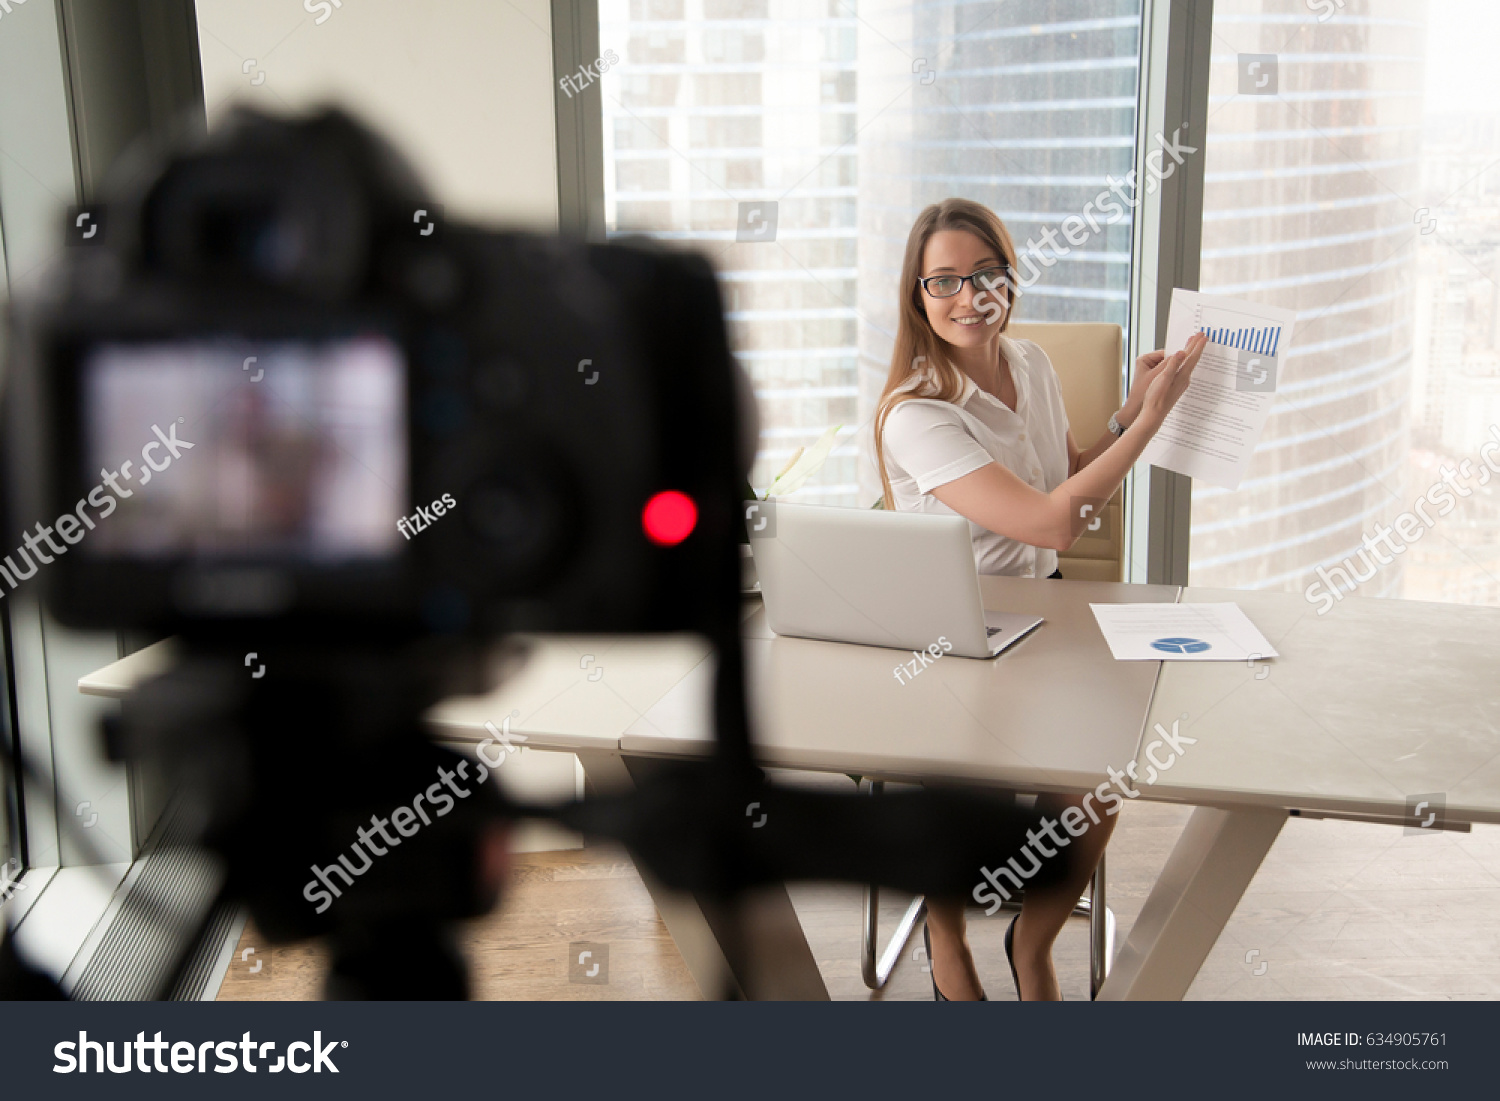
1181,645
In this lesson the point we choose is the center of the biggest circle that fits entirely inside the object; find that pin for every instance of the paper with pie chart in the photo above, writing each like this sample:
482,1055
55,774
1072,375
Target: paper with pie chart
1181,632
1213,430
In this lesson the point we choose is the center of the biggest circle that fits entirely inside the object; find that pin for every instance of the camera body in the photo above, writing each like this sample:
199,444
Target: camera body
283,392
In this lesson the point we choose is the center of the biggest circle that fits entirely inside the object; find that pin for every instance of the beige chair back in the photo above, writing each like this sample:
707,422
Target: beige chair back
1086,357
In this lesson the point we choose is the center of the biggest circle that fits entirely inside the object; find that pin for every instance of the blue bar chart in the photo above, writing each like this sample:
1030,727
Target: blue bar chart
1262,339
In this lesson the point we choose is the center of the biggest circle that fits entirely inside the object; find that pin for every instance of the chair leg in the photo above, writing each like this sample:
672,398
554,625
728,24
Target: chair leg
1101,932
877,971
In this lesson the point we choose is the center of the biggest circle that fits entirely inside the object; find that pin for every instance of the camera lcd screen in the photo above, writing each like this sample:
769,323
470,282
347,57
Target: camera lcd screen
282,450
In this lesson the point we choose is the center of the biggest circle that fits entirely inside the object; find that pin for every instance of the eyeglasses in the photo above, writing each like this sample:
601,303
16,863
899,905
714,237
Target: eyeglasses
946,286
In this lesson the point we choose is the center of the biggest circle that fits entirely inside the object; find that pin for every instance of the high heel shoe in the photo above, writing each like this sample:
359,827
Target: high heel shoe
1010,931
938,995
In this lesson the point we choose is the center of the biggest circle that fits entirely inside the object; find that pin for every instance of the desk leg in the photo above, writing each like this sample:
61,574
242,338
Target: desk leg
1205,877
762,933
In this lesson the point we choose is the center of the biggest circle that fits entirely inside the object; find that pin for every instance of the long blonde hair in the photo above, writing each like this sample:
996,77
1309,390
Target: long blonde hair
915,340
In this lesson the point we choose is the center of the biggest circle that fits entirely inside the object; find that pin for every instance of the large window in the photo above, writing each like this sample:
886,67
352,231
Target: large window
795,141
1352,175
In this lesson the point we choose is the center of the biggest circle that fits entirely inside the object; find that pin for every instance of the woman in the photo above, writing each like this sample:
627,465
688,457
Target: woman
972,422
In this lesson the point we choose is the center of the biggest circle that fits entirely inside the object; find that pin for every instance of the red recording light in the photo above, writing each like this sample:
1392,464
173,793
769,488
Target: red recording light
669,518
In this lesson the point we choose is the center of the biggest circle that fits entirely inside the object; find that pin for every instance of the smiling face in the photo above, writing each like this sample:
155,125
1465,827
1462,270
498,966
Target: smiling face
958,320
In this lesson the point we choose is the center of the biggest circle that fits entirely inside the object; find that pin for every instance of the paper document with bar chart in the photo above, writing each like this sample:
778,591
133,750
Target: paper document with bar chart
1216,425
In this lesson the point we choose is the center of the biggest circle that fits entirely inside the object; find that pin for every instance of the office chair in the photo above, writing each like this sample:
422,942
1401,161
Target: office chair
1087,358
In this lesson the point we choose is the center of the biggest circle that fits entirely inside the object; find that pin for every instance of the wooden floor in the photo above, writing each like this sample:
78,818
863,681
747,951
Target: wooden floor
521,951
1339,910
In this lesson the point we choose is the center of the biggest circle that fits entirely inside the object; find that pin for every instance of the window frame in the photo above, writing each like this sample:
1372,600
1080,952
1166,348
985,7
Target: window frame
14,795
1176,42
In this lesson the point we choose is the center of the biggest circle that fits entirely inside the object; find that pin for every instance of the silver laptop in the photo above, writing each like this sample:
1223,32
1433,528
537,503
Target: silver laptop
899,579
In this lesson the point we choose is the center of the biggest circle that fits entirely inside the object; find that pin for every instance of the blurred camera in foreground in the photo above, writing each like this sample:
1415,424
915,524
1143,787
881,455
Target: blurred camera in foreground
271,397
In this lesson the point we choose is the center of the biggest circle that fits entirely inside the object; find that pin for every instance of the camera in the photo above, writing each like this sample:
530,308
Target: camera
283,391
284,406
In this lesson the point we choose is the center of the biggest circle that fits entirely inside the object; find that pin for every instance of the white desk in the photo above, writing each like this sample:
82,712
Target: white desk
1049,715
1375,702
1371,703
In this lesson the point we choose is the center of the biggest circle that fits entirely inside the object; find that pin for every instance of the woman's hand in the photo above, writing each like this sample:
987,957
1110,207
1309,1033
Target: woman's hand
1169,379
1148,368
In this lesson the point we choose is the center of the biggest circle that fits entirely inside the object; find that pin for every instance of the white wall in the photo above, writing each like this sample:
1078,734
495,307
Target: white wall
462,87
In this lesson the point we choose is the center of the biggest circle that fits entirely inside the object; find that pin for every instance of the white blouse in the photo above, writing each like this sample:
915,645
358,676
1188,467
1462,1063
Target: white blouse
929,443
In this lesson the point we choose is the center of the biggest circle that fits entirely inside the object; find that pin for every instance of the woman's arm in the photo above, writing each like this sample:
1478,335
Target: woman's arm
1147,367
994,498
1077,460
